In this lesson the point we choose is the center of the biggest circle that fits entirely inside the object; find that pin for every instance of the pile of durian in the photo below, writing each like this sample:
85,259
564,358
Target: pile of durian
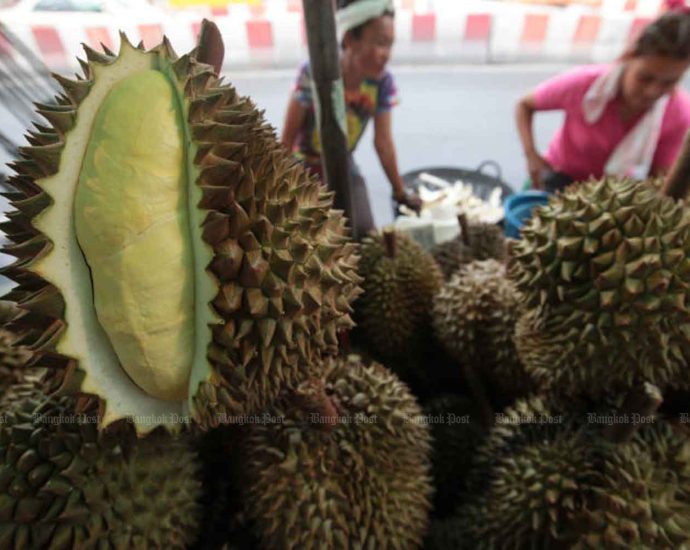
180,365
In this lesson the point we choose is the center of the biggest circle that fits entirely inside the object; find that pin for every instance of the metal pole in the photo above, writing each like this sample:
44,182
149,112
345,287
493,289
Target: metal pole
329,101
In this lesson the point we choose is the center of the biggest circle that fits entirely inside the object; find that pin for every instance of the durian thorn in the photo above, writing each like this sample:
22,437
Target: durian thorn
389,241
464,229
641,402
678,180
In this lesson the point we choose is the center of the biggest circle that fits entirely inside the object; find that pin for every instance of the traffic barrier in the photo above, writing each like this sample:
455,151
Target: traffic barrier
272,34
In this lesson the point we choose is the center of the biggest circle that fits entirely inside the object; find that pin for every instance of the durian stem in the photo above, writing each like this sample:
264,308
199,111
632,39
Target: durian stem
464,229
313,399
211,49
678,180
640,403
390,243
486,412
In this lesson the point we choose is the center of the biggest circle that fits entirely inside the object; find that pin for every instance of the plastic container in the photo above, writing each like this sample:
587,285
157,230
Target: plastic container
518,209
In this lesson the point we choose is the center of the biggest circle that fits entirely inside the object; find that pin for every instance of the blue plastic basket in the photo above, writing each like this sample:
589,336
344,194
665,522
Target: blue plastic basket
518,209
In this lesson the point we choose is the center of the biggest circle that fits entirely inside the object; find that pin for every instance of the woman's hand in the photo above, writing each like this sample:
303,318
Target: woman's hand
537,166
411,200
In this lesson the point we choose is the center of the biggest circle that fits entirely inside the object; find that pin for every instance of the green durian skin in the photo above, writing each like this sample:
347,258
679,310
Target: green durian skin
604,275
67,486
359,482
132,224
394,312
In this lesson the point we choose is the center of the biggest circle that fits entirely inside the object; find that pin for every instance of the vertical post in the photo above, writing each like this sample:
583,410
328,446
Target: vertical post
329,100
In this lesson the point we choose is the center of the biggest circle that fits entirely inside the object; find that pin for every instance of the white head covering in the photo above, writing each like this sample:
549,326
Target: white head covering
360,12
633,156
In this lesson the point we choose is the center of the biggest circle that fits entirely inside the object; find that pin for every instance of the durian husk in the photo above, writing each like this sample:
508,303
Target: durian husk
531,478
644,500
281,259
474,316
394,311
64,485
482,242
343,462
13,359
604,268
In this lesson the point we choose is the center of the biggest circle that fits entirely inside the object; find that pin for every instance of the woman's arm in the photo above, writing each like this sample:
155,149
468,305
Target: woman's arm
294,120
385,149
536,164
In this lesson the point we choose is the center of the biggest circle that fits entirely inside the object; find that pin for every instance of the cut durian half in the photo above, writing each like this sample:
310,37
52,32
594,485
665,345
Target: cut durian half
172,259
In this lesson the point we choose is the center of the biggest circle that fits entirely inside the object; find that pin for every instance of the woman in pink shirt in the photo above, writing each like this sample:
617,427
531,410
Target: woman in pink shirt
626,119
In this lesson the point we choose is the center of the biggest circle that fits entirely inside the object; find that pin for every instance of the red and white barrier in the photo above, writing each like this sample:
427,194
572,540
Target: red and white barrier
272,34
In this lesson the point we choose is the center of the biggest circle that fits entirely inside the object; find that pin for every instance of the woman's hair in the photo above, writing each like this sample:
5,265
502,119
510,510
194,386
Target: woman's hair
667,36
356,32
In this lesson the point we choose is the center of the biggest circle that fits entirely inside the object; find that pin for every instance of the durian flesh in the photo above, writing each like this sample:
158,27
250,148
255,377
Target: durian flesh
123,237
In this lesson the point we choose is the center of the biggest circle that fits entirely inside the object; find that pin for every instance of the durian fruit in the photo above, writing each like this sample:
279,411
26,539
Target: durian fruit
343,462
477,241
644,500
172,258
456,434
12,359
400,281
474,316
64,485
531,479
606,266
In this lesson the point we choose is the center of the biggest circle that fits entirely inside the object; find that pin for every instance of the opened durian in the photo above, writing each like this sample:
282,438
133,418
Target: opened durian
400,281
477,241
343,462
474,316
64,485
605,269
172,257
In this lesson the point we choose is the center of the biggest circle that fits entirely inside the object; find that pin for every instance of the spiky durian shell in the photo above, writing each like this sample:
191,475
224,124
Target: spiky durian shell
394,312
456,434
606,264
451,255
482,242
12,359
474,317
644,499
531,478
65,486
359,482
283,265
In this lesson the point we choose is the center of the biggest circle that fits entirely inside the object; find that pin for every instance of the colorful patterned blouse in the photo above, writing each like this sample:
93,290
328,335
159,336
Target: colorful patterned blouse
374,96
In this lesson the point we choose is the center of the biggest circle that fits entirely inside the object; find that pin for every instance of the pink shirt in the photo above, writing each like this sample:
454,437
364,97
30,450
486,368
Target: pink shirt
581,150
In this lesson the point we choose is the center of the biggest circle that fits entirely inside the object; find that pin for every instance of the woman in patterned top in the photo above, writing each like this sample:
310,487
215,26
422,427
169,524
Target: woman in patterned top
367,29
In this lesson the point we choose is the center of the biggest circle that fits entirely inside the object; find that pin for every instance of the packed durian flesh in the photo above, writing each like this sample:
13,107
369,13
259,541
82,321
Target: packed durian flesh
172,258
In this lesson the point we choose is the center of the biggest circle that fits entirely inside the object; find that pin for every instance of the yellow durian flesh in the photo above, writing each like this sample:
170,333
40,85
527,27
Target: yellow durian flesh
132,224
